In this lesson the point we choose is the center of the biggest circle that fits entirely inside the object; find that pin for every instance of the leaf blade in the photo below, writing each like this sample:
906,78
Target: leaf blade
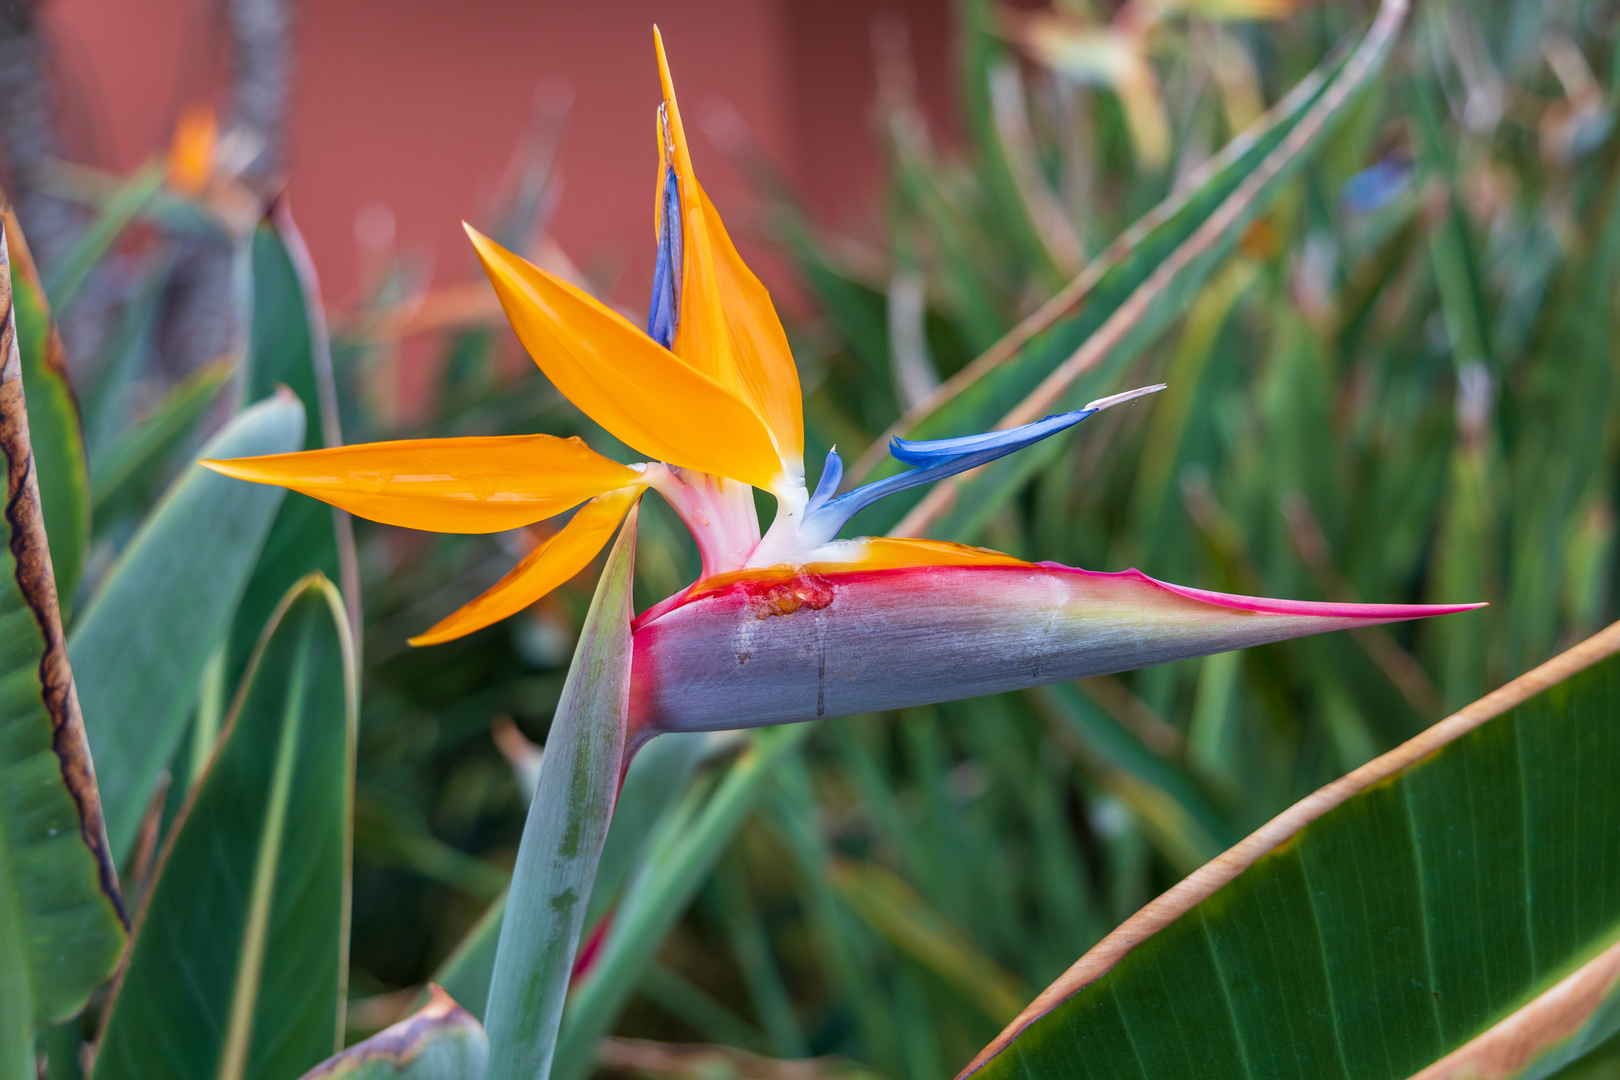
1449,990
141,644
61,915
240,958
564,834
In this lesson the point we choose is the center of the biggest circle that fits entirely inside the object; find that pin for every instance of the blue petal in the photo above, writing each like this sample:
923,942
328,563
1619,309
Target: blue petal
664,316
1376,185
933,451
935,459
832,474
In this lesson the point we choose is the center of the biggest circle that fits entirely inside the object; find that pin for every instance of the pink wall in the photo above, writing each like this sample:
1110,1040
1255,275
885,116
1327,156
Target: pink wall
417,105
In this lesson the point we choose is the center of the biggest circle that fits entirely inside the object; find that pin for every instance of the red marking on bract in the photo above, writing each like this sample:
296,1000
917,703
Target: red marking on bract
784,598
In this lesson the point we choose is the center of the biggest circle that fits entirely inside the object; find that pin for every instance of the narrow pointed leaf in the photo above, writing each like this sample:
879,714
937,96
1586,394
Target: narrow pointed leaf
1158,292
762,651
563,836
136,450
55,427
440,1041
681,854
656,776
894,910
140,646
241,956
1080,340
119,209
61,916
288,346
1450,909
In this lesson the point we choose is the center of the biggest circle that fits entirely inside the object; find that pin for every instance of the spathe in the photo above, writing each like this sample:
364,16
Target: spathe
800,646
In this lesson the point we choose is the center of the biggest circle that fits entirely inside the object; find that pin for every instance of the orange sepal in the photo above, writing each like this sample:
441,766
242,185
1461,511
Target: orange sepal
556,560
473,485
624,380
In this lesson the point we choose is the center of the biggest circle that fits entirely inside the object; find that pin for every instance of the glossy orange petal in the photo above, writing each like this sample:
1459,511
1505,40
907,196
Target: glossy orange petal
625,381
728,327
555,561
478,485
766,374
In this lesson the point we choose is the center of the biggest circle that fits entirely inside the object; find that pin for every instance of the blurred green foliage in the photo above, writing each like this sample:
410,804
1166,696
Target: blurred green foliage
1397,387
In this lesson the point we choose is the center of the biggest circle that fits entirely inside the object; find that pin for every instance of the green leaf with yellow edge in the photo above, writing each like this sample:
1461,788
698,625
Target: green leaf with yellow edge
61,916
241,956
55,426
1452,907
440,1041
140,646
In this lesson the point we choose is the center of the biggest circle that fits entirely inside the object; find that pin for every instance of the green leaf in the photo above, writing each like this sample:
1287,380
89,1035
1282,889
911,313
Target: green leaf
680,856
137,449
140,647
566,828
54,424
1172,808
1082,338
1457,899
657,774
61,916
288,347
240,959
894,910
120,208
440,1041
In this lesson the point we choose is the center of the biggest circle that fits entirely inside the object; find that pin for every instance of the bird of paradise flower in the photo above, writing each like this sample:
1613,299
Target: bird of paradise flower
796,623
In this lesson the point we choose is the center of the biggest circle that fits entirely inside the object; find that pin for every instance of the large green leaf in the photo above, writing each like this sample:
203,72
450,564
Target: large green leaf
54,424
288,347
61,916
241,956
1456,900
563,836
440,1041
140,647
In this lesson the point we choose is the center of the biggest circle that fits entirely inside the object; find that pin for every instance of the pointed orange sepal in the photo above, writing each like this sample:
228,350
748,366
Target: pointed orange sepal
551,564
474,485
624,380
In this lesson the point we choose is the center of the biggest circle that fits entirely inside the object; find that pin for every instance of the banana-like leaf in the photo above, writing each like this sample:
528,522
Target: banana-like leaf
1450,909
61,916
289,347
140,647
1084,336
54,425
440,1041
241,956
563,836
